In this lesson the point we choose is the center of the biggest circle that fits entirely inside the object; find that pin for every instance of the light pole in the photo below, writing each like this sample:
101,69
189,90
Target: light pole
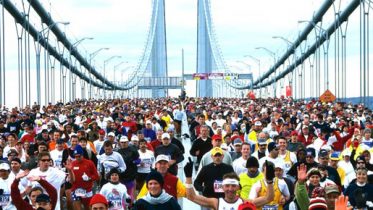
290,44
274,62
106,62
115,69
38,49
325,48
91,56
72,80
258,61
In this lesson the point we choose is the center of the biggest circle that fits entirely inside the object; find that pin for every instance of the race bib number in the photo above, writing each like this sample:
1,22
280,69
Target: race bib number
81,192
218,186
4,200
270,207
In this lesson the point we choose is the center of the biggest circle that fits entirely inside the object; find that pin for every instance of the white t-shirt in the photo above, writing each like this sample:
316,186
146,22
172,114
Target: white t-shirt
5,199
7,148
98,144
274,161
54,176
23,182
147,160
116,194
282,186
239,166
57,158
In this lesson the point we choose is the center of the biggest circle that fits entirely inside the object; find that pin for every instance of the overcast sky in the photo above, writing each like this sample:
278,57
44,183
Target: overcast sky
241,26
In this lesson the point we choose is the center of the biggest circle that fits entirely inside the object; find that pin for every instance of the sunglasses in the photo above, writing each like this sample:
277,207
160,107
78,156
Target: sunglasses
45,160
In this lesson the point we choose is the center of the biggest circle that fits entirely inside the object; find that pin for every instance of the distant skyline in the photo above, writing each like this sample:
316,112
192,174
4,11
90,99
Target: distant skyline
240,26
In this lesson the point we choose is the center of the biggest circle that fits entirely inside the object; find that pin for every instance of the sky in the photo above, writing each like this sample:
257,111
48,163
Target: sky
240,26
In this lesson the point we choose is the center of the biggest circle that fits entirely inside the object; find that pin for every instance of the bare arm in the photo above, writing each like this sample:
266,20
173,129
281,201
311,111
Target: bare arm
269,177
199,199
268,197
68,167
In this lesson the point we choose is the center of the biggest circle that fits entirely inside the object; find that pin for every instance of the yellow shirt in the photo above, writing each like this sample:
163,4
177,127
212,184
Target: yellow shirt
276,198
246,183
341,173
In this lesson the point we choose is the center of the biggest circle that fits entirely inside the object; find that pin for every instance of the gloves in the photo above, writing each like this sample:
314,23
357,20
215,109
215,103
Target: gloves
270,171
85,177
188,168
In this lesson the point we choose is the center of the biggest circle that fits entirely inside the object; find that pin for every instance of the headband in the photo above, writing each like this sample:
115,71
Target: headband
230,181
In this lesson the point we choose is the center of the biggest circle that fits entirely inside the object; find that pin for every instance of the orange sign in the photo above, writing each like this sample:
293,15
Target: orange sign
327,96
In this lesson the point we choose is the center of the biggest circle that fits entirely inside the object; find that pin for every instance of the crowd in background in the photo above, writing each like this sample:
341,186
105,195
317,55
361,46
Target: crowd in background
125,154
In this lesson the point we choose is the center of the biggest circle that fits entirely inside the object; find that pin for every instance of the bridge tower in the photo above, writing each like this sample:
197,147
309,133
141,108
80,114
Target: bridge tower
158,57
205,60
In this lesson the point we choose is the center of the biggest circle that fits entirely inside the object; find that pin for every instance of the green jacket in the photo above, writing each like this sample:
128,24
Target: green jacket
301,195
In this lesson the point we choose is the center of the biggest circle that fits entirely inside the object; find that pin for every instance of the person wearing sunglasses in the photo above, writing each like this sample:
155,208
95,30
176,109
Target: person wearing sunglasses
273,155
53,175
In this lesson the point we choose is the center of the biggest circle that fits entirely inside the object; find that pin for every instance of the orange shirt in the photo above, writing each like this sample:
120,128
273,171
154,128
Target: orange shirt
52,145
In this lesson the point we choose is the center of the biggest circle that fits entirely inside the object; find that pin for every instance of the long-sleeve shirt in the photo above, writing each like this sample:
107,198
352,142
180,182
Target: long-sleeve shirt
79,168
173,152
21,204
301,195
341,141
107,162
209,179
201,146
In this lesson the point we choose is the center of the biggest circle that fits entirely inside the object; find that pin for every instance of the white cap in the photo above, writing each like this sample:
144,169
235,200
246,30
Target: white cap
134,138
123,139
148,122
162,157
346,152
306,116
4,166
166,135
258,123
279,164
111,134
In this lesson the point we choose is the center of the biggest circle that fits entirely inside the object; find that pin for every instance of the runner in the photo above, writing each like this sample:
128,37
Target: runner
230,186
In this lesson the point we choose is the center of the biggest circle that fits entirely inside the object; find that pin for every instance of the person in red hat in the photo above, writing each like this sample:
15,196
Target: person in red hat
293,144
99,202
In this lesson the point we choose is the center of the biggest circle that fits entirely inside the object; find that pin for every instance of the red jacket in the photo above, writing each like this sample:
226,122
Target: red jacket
305,141
132,128
79,168
155,144
341,141
170,183
18,201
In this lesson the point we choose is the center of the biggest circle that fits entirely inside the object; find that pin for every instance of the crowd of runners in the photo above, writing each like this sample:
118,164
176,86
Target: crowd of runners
269,154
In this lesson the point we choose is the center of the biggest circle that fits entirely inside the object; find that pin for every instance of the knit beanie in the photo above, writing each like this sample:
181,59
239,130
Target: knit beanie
313,171
318,203
252,162
98,198
155,175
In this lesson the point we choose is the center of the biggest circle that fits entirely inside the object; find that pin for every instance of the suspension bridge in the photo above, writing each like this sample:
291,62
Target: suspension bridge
51,67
